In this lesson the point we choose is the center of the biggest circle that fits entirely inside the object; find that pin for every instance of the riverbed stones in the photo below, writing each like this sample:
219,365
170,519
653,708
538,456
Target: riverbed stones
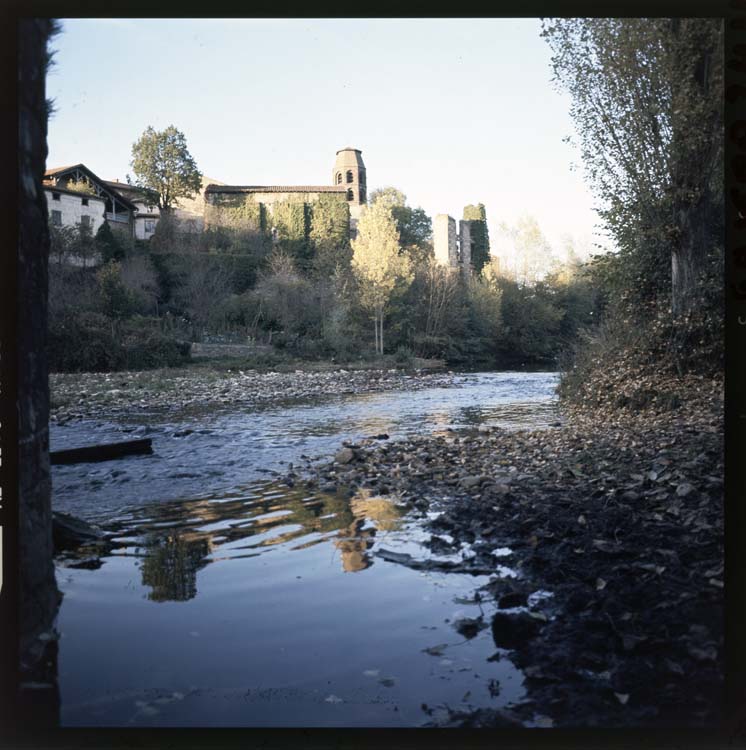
199,388
344,456
593,500
513,630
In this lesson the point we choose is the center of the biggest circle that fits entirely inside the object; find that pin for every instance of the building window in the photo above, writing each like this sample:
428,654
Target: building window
349,175
85,220
85,201
350,195
362,195
56,218
339,178
149,225
55,196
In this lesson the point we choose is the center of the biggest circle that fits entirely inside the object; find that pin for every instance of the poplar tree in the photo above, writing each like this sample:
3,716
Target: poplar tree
647,107
378,264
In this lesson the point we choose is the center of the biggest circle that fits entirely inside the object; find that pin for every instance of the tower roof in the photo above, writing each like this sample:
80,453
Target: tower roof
349,157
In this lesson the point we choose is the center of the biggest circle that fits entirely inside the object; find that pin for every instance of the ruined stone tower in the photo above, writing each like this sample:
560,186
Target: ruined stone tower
444,241
349,172
451,249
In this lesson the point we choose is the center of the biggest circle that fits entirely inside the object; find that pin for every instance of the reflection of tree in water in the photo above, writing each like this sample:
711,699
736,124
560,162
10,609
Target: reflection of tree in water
171,564
356,539
173,556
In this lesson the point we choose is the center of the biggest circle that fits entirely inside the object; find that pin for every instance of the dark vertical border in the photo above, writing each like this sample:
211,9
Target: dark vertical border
735,364
9,599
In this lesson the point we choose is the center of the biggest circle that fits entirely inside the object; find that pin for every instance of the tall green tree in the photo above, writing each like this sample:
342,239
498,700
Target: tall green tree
480,238
380,267
162,163
647,106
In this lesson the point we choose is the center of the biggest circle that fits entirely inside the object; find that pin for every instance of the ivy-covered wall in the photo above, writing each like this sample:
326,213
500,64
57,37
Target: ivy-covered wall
236,211
330,223
480,253
303,225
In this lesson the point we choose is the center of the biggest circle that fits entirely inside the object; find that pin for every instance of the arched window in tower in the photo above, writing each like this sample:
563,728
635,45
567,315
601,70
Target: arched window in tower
349,175
339,178
350,195
362,195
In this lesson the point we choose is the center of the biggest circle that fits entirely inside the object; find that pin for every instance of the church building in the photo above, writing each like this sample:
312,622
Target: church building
263,207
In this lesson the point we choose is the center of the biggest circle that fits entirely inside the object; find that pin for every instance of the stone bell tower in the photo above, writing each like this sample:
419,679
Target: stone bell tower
349,172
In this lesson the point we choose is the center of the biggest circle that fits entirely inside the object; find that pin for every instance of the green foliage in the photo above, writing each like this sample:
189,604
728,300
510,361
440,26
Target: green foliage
117,301
72,245
646,102
329,234
235,211
290,223
378,264
81,186
162,163
108,244
480,238
88,342
391,196
531,325
415,227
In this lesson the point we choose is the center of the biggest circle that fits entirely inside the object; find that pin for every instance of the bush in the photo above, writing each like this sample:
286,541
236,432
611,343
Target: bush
91,342
404,357
83,343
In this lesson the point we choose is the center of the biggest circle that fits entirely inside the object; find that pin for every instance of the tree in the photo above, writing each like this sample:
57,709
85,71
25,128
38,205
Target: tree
534,257
81,186
414,225
162,163
107,244
391,196
647,106
480,238
378,263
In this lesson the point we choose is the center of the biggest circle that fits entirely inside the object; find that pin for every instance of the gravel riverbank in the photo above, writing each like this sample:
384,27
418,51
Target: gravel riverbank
618,515
107,395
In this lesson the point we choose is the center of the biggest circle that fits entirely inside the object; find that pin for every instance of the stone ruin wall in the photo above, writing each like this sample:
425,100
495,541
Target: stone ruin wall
452,250
444,241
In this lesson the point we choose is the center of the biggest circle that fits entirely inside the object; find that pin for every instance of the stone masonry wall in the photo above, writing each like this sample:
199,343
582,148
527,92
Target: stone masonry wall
444,240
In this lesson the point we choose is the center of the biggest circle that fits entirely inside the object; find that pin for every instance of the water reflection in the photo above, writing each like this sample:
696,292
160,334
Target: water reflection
177,540
354,543
171,564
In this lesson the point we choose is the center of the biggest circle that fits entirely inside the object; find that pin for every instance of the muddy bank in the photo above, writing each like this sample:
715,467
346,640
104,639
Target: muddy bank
619,515
101,395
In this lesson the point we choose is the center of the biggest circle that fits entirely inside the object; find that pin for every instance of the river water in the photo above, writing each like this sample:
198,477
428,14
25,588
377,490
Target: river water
226,598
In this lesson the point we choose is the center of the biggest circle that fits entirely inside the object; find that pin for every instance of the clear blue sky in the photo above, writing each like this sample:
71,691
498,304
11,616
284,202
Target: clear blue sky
450,111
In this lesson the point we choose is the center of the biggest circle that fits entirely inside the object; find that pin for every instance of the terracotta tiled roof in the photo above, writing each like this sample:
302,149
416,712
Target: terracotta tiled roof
275,189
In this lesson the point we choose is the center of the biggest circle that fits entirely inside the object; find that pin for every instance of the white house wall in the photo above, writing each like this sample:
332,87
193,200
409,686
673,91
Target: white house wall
72,209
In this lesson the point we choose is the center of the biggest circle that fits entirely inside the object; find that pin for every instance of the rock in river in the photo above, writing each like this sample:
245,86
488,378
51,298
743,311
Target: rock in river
513,630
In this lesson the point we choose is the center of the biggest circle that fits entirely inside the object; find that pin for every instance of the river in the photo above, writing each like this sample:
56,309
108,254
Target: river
226,598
